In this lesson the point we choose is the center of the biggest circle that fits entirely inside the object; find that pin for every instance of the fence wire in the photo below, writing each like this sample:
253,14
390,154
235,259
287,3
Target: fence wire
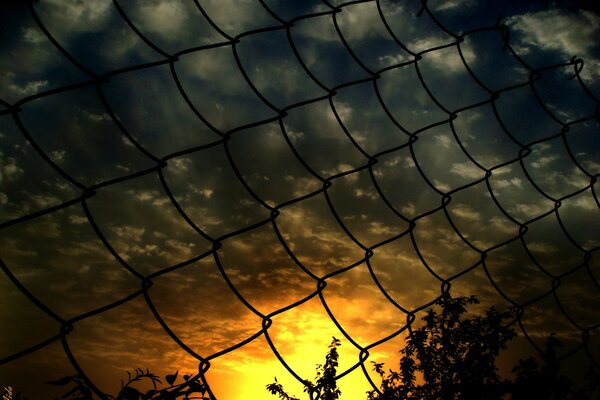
277,112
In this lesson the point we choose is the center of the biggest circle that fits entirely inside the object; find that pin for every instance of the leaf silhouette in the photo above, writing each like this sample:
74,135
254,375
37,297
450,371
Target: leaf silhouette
171,378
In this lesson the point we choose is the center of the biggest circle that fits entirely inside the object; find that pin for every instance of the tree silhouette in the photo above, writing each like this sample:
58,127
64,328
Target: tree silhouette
325,385
453,357
450,357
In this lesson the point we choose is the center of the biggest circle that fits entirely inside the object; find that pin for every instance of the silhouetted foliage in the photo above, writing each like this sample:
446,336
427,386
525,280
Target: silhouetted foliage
450,357
590,390
535,381
543,381
453,357
325,384
187,390
277,388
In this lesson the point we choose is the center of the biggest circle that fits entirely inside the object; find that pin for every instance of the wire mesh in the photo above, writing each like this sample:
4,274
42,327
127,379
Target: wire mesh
244,64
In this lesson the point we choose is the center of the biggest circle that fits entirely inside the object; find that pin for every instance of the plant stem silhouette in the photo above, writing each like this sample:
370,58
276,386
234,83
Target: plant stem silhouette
325,384
188,390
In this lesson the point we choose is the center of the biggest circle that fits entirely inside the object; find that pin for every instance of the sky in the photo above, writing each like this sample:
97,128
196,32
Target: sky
240,182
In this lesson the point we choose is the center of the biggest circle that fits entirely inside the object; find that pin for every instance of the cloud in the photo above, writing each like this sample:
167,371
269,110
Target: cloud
446,61
467,170
96,117
180,164
204,217
443,140
303,185
143,195
389,59
28,88
408,209
569,34
279,76
529,210
339,168
454,4
379,228
592,166
503,225
58,156
396,160
77,220
45,201
442,186
33,36
79,16
186,249
585,202
542,162
28,62
542,247
236,16
10,170
344,110
315,237
466,212
294,136
206,66
504,183
130,233
165,17
207,193
362,21
370,194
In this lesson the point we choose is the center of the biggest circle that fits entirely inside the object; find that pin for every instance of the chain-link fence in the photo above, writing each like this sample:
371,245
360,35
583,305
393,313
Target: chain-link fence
223,169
